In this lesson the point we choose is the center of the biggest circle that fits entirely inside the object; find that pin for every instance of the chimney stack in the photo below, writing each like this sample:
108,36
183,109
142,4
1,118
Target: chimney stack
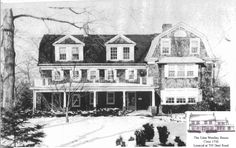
166,27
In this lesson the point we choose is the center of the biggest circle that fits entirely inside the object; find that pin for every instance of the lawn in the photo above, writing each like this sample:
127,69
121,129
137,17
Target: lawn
103,131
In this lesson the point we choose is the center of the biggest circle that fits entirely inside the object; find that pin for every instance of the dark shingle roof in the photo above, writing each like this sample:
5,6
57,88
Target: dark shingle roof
94,49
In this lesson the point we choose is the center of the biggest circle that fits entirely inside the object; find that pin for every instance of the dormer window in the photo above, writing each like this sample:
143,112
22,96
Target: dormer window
75,53
62,53
113,53
165,46
120,48
126,53
194,46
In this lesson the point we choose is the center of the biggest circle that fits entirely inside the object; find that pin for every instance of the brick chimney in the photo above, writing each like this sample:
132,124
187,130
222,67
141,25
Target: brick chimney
166,27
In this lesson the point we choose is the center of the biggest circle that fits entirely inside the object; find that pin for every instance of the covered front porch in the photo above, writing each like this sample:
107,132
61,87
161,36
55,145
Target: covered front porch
98,97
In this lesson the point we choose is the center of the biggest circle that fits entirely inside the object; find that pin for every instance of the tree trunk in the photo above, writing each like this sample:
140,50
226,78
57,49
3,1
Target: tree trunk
9,59
67,116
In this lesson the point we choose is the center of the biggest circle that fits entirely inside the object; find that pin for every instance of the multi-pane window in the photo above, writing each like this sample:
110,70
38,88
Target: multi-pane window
110,98
62,53
180,71
92,74
170,100
205,122
57,75
171,72
191,100
75,53
75,74
126,53
194,46
110,74
165,46
76,100
131,74
180,100
113,53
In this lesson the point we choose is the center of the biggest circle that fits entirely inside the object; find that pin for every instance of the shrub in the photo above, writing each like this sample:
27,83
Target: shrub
140,137
179,141
131,139
163,134
119,141
149,131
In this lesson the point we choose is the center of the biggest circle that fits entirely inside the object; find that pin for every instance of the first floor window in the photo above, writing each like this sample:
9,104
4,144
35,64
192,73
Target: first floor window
110,98
126,52
91,98
75,53
205,122
113,53
92,74
62,53
191,100
180,100
76,100
170,100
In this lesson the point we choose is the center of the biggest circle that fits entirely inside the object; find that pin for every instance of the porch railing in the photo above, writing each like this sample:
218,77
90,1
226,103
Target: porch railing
49,81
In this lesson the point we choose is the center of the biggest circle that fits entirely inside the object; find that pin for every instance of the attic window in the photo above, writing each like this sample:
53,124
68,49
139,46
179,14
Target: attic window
62,53
165,46
113,53
126,52
194,46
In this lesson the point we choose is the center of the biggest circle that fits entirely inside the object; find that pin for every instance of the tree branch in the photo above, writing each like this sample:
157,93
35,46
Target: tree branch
72,10
47,19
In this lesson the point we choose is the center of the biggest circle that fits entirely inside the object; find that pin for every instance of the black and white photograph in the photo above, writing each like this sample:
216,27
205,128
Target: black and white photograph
116,73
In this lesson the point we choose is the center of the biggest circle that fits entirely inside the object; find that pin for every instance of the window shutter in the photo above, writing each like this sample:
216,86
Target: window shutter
97,74
53,75
127,74
106,74
166,67
195,68
88,74
115,74
56,53
61,74
135,73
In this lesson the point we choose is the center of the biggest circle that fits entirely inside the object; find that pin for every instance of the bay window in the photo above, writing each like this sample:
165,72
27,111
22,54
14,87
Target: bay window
181,70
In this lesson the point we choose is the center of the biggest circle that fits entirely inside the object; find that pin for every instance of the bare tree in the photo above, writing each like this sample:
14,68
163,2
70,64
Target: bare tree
8,32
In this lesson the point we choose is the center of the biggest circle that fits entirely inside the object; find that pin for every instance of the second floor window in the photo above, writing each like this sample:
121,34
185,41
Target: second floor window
57,75
75,74
180,70
171,72
110,75
113,53
62,53
126,52
92,74
131,74
75,53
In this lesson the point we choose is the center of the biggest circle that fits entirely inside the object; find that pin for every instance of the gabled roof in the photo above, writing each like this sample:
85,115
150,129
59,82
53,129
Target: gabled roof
94,47
120,39
186,27
68,39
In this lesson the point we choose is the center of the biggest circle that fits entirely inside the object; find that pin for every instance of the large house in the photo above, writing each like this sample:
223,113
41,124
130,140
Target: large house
123,71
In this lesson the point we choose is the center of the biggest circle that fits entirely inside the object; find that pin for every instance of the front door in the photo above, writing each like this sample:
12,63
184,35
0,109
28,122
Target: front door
131,100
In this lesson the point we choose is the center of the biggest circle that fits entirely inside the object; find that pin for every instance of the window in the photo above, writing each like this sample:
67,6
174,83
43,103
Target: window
57,75
205,122
62,53
75,53
210,122
165,46
192,122
131,74
198,122
75,74
91,98
180,100
126,52
180,70
110,98
191,100
194,46
110,75
76,100
170,100
171,72
113,53
92,74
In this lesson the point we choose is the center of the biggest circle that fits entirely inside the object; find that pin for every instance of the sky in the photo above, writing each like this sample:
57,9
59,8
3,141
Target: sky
214,18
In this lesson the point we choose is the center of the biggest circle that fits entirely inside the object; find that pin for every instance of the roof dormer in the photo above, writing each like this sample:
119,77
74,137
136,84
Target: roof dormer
120,48
69,48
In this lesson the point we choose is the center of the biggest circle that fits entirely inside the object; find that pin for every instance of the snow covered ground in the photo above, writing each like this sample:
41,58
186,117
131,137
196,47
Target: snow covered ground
103,131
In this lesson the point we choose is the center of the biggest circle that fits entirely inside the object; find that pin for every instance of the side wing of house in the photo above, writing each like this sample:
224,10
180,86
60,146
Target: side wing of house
178,58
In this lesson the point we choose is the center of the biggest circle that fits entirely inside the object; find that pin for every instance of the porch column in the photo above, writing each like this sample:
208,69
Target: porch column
153,98
124,105
64,99
94,99
34,101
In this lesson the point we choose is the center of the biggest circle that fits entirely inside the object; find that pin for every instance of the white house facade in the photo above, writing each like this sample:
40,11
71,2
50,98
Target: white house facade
123,71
